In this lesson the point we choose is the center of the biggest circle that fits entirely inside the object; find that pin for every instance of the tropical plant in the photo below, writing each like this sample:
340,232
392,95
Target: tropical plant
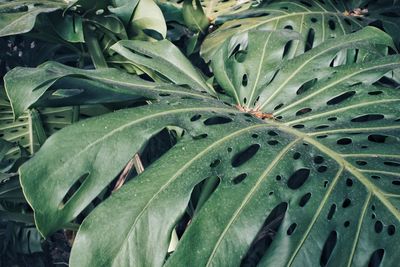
282,151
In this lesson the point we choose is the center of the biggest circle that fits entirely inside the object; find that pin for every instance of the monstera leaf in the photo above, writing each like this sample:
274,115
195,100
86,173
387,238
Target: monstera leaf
316,21
20,16
255,68
321,170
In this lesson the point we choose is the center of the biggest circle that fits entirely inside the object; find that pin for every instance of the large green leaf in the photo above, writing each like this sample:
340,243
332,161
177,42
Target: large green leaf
316,21
19,16
61,85
328,164
255,70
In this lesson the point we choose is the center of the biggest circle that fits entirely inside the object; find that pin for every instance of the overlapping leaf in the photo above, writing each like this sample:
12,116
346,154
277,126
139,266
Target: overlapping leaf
61,85
166,60
316,21
256,71
20,16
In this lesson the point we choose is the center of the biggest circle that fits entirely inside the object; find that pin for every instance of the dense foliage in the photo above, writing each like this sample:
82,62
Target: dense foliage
200,133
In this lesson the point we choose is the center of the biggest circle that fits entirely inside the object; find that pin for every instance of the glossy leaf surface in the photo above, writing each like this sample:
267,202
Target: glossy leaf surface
328,164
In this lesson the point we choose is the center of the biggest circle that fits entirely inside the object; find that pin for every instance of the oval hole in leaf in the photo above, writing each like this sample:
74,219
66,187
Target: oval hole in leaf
245,155
331,212
195,117
153,34
310,39
368,117
265,235
298,178
291,229
340,98
377,138
238,179
332,25
376,258
217,120
73,189
328,248
304,199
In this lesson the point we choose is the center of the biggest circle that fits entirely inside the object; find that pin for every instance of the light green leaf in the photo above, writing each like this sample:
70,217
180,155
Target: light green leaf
254,68
147,22
194,16
20,16
165,59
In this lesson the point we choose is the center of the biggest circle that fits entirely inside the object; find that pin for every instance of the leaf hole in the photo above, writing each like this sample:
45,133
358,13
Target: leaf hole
391,230
238,179
272,133
346,203
340,98
392,163
323,126
298,126
396,182
328,248
322,169
200,136
305,86
332,25
377,138
344,141
318,159
296,156
368,117
244,80
278,106
309,40
331,212
303,111
195,117
304,199
245,155
272,142
215,163
298,178
217,120
265,235
375,92
73,189
349,182
376,258
291,229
